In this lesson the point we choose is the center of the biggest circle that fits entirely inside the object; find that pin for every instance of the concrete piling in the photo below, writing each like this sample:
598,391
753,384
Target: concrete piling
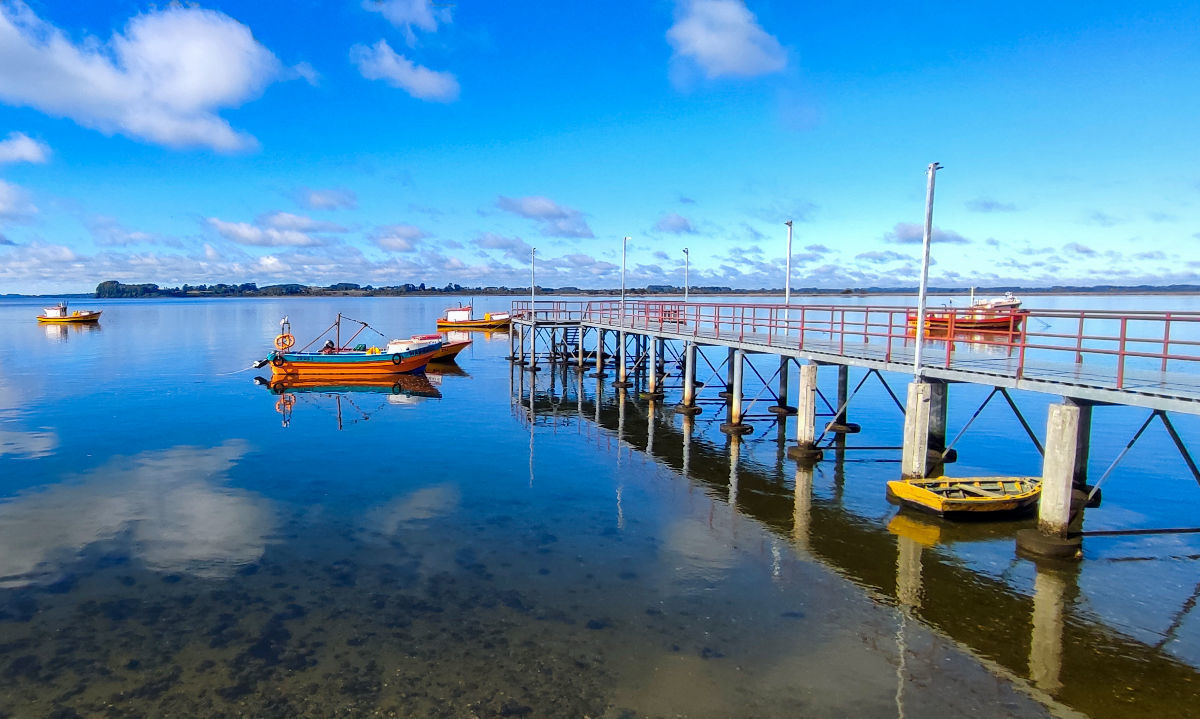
806,417
688,405
734,424
622,364
579,347
728,376
781,407
840,425
600,356
1053,536
653,389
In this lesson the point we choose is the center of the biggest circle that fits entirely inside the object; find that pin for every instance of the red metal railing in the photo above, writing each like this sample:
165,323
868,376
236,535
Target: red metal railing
1114,342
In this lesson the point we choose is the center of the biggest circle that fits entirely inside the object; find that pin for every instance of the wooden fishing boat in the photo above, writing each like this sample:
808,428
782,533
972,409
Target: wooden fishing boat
459,318
449,349
59,315
1000,314
338,360
966,497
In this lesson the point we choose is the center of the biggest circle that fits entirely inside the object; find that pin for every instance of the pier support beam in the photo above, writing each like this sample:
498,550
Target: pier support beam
840,425
1053,537
688,405
924,429
806,417
579,346
512,349
781,407
652,377
728,376
600,357
622,365
520,344
533,349
735,425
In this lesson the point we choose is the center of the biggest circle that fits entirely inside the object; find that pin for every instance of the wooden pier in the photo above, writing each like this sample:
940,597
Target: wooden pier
1088,358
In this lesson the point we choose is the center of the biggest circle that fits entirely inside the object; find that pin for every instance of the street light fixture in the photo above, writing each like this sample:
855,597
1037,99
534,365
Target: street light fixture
787,281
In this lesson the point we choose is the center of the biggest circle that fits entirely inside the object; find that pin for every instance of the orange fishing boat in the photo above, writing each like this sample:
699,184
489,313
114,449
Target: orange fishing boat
58,314
459,318
449,349
343,360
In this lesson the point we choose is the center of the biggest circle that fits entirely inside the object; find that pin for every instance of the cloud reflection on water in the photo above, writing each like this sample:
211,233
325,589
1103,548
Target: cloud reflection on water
163,507
425,503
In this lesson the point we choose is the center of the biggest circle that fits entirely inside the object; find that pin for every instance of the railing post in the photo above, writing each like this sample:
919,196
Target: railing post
1166,340
1121,354
1078,340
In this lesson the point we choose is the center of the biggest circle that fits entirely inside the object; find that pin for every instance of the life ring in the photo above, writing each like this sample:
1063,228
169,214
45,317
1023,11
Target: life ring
277,361
284,342
395,359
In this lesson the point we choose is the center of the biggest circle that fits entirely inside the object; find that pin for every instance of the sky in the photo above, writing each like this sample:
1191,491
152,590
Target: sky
391,141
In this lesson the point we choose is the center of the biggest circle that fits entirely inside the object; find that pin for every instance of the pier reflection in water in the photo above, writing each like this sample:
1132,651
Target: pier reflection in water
1029,623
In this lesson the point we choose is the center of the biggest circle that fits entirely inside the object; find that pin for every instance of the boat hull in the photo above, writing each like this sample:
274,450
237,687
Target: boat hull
1000,321
449,351
80,318
473,324
347,365
968,497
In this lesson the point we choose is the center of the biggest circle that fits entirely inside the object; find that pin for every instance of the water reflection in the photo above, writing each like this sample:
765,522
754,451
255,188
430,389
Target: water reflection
347,396
166,508
63,332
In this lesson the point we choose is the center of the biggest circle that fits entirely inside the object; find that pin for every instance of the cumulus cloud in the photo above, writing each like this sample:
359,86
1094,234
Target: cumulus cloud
398,238
107,231
553,220
5,241
162,80
14,202
723,38
328,199
985,204
1103,219
245,233
514,248
300,223
881,256
1079,249
675,223
380,62
909,233
19,147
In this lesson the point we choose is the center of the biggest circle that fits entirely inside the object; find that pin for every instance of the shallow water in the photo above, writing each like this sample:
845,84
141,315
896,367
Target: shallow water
177,540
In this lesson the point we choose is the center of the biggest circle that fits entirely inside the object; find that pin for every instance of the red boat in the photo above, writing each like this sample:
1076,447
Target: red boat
1001,314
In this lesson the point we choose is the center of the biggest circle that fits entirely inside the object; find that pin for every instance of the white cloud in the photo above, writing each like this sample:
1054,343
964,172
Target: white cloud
675,223
910,233
300,223
398,238
723,38
162,80
328,199
107,231
407,14
555,220
20,147
14,202
244,233
380,62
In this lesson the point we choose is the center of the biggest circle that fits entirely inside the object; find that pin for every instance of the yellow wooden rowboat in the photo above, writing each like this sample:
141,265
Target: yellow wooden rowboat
968,497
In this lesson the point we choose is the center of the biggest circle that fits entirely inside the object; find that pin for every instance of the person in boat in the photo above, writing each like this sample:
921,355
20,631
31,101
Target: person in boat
328,348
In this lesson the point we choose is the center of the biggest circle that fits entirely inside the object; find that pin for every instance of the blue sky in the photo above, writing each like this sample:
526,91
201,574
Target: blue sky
407,141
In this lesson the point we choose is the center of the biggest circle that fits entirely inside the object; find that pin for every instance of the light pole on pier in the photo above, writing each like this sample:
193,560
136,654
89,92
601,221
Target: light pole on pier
623,243
685,274
787,280
931,171
532,279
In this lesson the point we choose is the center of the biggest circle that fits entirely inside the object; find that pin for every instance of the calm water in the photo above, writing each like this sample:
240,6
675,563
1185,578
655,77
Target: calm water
176,540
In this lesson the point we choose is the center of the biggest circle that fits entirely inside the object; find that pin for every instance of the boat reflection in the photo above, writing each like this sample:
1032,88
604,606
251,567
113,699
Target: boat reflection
406,389
61,332
986,341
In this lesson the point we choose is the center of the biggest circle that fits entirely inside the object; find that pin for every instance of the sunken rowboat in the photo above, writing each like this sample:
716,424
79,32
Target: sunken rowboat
968,497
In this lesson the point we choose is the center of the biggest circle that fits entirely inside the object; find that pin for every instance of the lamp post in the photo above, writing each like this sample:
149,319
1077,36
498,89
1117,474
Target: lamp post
685,274
532,280
931,171
787,280
623,243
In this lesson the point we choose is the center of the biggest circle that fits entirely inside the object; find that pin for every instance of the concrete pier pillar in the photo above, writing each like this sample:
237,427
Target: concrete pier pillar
781,407
520,344
728,376
533,366
662,357
806,417
653,391
552,355
1046,636
1053,538
600,356
512,349
841,425
579,346
688,405
622,364
734,423
924,429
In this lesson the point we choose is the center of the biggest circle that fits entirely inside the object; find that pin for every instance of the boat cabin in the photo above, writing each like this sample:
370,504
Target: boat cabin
459,314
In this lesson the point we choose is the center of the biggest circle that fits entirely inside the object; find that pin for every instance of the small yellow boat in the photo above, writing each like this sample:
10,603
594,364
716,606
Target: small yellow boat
459,318
59,314
968,497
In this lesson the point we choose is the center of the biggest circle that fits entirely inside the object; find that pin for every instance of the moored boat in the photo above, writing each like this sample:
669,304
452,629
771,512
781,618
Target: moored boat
999,314
449,349
60,315
967,497
338,360
459,318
